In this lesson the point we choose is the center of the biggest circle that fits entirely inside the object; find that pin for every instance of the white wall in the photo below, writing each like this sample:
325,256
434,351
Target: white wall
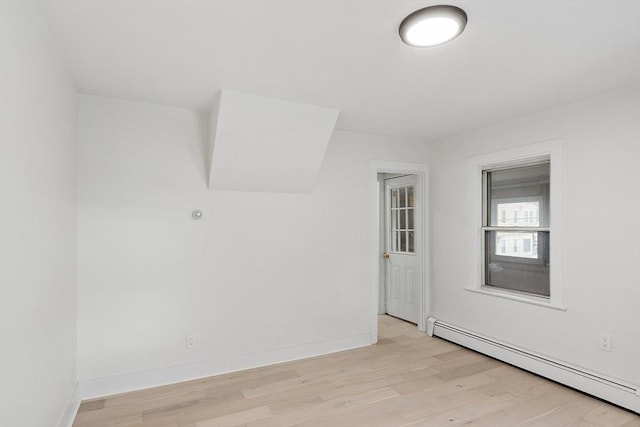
260,278
37,223
601,235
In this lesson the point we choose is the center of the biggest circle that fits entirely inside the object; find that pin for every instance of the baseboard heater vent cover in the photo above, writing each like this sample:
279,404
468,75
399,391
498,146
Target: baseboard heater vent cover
613,390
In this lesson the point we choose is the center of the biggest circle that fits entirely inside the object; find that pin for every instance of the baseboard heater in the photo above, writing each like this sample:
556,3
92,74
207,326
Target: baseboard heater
613,390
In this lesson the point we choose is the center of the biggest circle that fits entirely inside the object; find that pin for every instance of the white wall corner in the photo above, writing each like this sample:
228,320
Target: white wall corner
69,415
262,144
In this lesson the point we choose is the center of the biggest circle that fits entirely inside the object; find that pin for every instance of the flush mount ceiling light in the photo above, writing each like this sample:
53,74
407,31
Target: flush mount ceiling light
433,25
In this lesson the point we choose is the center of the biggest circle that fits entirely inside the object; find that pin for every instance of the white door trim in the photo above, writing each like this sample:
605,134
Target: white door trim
422,246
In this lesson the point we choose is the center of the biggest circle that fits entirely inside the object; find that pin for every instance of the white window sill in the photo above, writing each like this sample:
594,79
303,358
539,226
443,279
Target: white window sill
540,301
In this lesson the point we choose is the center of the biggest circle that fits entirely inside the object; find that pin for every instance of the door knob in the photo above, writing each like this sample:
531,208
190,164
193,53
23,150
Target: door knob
385,255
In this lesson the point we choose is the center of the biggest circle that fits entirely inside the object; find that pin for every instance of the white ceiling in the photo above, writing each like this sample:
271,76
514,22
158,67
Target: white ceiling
515,56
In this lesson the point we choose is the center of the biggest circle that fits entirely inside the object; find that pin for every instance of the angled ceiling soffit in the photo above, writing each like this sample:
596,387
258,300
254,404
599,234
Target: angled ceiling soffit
263,144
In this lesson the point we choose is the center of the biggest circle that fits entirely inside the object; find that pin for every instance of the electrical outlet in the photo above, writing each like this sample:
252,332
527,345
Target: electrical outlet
191,341
605,341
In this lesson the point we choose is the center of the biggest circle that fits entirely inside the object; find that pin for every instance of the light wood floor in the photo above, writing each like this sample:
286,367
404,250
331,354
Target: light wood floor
406,379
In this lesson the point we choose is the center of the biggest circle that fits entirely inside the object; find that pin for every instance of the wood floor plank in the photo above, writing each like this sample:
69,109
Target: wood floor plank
606,415
237,418
406,379
335,406
91,405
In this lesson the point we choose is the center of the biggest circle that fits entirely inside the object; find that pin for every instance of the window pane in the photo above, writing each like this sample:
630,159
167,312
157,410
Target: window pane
394,241
518,270
519,197
394,219
403,199
518,214
516,244
410,196
403,219
394,198
412,248
403,241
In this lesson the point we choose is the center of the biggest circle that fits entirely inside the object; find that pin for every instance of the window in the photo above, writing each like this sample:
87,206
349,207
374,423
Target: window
529,218
527,179
516,247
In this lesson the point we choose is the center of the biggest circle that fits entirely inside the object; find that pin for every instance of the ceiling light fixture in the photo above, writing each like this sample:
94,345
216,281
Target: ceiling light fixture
433,25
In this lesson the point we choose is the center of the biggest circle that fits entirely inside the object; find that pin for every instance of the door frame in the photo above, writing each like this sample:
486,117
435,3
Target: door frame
422,242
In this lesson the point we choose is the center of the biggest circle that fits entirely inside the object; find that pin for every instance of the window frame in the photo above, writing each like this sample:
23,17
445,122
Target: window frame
527,155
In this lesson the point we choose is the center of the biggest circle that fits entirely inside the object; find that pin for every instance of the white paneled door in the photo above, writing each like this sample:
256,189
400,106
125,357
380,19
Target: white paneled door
401,234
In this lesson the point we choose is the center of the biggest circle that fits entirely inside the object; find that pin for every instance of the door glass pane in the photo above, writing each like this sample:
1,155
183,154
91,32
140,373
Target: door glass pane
402,219
403,199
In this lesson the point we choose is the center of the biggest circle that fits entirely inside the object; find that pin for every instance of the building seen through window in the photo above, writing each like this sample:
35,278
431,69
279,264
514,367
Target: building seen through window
519,214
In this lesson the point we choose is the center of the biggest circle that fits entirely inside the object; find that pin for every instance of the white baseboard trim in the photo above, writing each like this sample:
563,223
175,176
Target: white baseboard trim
72,408
101,387
613,390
